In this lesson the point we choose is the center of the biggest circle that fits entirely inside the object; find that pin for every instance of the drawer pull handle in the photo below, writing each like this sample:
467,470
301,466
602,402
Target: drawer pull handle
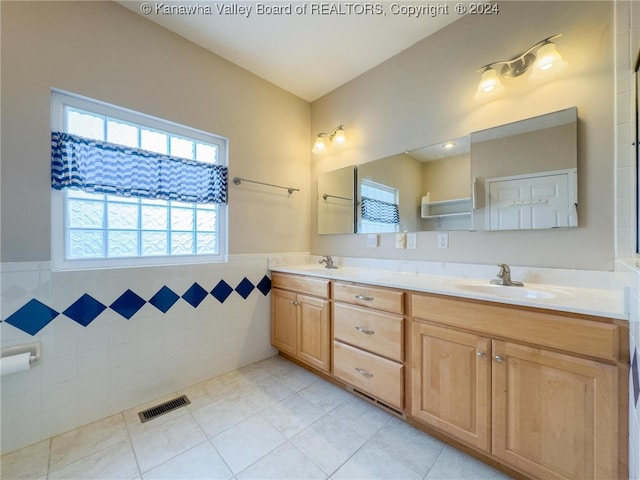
364,330
364,373
365,298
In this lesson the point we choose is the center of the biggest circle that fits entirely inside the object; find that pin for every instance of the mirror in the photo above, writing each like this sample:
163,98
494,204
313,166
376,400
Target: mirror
335,201
422,189
524,177
525,173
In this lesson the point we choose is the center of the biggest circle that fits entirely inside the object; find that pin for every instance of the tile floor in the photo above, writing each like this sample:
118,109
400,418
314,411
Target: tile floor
269,420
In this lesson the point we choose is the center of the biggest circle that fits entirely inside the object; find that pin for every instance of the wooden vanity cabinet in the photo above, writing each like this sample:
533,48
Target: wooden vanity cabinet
300,318
368,343
451,382
549,412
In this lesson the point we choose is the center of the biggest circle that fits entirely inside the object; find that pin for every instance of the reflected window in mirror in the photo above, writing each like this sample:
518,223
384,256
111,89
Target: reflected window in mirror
379,207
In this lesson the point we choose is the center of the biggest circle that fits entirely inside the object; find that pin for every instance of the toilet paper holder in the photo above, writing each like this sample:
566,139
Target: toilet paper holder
34,349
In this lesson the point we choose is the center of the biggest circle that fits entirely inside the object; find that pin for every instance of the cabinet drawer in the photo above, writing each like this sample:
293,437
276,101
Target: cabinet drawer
311,286
545,328
377,332
370,373
378,298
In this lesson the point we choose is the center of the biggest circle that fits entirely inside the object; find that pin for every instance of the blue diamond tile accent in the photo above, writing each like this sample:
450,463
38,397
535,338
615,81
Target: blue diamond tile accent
264,285
221,291
128,304
164,299
32,317
84,310
195,295
244,288
635,375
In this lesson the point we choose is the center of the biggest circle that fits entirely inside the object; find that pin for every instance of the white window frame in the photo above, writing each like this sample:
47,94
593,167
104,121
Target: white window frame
59,101
367,226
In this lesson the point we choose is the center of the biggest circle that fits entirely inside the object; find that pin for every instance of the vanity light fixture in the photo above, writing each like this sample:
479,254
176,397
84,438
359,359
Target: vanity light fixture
542,59
336,137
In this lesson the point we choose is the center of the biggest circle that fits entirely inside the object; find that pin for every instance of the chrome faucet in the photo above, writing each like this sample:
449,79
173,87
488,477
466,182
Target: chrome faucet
504,277
328,262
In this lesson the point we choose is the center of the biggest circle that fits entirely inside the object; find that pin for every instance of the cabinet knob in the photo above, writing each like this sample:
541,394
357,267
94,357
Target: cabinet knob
364,297
364,373
293,302
481,354
498,358
365,330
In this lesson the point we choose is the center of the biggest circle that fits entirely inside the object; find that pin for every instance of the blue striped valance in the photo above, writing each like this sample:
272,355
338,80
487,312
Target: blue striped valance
379,211
103,167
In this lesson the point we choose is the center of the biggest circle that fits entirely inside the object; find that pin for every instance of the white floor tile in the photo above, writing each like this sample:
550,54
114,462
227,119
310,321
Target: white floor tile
297,378
284,463
27,463
223,414
329,443
454,465
84,441
155,446
408,445
247,442
371,463
237,427
326,395
202,462
292,415
115,463
265,392
361,416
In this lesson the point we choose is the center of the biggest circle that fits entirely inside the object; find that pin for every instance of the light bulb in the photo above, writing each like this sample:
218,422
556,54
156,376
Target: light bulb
489,86
338,138
319,146
548,62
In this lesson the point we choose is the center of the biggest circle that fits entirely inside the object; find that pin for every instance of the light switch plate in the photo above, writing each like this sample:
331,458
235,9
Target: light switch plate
401,240
443,241
372,240
411,241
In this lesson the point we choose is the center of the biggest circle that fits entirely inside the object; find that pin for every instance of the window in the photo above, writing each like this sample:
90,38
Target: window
93,229
379,207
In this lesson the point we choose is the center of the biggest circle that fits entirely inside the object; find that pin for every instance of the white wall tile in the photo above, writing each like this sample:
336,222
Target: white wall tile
114,363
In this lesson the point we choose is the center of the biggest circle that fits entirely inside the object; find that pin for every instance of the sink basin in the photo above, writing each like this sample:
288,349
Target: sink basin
540,293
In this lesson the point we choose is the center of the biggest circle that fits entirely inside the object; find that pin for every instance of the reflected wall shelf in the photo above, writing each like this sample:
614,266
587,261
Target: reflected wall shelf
456,207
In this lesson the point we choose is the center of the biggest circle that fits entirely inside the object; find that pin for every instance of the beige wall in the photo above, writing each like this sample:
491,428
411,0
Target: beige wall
424,95
447,178
104,51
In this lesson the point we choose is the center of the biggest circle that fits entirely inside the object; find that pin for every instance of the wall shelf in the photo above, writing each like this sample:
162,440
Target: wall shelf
456,207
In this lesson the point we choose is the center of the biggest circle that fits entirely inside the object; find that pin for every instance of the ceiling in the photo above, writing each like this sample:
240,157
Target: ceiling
308,54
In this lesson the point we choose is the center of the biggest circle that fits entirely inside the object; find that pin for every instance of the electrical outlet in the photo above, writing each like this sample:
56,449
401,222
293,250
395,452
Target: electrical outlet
372,240
411,241
401,240
443,241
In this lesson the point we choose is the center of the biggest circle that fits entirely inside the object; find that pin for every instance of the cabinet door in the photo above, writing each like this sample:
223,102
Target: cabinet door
284,321
451,385
313,332
554,415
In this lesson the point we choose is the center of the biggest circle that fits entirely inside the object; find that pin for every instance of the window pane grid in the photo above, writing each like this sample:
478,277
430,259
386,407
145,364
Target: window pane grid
102,227
115,226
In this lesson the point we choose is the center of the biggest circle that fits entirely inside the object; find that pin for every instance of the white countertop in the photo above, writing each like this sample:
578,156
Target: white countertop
589,301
